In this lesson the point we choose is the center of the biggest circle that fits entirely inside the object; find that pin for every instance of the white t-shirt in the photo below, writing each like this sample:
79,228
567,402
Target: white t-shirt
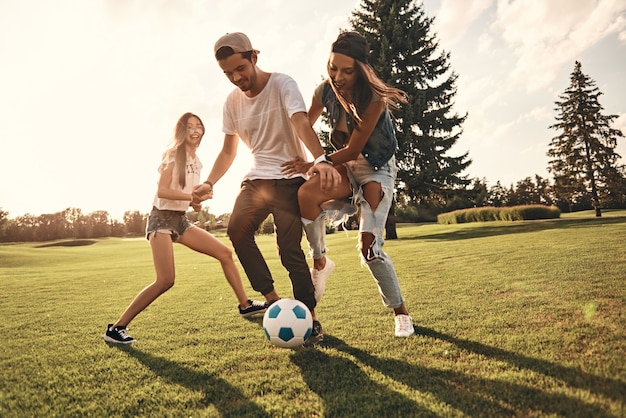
192,178
263,123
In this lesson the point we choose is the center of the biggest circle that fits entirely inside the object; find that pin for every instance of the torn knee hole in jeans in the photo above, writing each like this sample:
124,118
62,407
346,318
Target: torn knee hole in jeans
370,254
362,200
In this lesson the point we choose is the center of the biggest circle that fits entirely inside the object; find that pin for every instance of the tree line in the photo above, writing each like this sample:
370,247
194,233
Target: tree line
71,223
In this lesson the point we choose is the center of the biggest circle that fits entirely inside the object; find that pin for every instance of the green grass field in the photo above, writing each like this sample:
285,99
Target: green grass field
512,319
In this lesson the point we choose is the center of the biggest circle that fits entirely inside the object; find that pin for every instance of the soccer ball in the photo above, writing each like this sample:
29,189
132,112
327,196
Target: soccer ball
287,323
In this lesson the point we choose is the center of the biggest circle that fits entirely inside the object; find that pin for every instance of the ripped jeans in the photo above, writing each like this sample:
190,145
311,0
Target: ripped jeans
379,264
360,172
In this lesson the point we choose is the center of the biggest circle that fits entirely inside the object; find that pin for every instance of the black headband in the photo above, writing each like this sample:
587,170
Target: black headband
353,45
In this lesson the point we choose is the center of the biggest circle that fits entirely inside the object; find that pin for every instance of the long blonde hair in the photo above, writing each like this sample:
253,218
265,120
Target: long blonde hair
177,147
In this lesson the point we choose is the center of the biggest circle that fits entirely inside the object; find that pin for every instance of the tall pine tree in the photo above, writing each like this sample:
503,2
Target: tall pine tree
405,55
583,158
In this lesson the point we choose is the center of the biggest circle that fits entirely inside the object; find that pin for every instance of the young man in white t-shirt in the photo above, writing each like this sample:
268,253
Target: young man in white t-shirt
267,112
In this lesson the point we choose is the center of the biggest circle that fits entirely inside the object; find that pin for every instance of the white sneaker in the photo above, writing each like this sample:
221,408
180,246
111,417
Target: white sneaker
404,326
320,277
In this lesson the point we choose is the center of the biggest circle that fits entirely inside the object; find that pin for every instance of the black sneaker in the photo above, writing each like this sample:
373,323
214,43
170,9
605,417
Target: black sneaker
316,335
255,308
117,335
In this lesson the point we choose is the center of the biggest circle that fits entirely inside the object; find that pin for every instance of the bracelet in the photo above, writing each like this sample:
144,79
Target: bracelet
209,183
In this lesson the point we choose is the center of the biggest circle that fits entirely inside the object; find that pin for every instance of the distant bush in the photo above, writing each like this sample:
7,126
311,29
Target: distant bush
267,227
490,213
415,214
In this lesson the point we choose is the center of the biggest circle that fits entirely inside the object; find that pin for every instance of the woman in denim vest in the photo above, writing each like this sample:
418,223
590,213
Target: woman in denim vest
357,104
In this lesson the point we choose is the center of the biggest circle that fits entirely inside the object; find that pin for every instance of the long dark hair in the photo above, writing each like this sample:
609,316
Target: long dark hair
366,84
355,46
178,146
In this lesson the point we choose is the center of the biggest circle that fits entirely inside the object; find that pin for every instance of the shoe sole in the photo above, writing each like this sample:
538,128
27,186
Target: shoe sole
114,341
248,315
403,334
312,340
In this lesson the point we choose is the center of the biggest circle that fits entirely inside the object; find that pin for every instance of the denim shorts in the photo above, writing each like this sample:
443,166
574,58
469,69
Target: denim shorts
359,173
171,222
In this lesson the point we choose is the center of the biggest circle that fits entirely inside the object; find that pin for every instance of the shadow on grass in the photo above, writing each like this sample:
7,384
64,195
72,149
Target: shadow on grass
572,377
488,229
227,399
348,391
71,243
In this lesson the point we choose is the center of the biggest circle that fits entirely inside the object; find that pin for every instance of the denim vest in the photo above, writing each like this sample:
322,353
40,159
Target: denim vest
382,143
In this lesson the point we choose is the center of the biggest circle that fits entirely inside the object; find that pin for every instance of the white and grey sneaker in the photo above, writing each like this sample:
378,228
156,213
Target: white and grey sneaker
319,278
404,326
117,335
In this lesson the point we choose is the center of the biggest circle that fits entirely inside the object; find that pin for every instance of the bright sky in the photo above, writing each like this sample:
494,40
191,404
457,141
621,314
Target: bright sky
90,90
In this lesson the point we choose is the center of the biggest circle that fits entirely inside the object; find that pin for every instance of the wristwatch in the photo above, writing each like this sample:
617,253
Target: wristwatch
323,159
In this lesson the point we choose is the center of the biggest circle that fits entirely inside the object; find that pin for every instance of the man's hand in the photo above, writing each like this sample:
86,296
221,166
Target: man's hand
328,175
202,192
296,166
